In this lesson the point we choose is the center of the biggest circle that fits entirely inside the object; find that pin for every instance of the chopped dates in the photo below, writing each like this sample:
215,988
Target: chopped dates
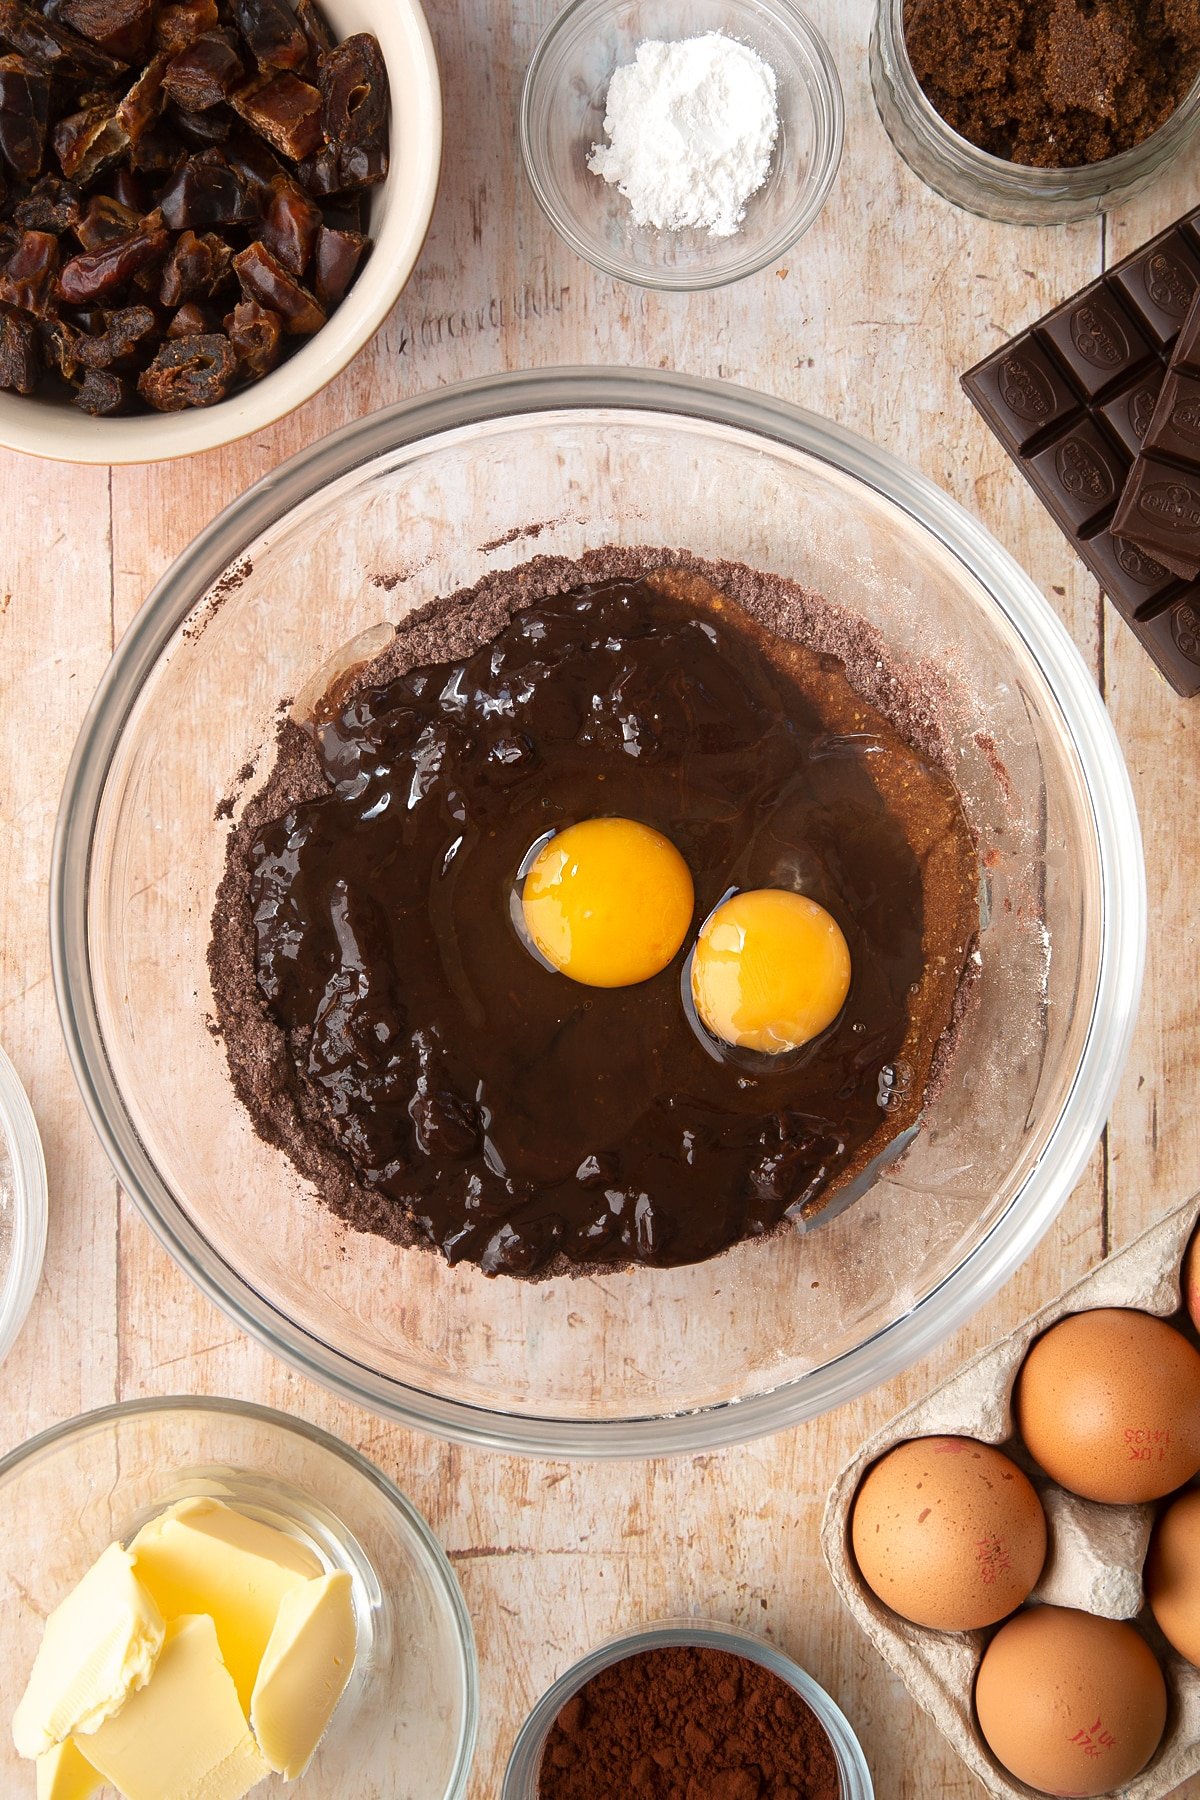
189,371
27,278
102,274
175,27
125,333
102,394
56,49
105,222
267,281
290,225
354,112
50,205
181,191
285,111
122,27
90,141
255,333
338,254
205,73
195,269
20,351
190,319
272,32
24,116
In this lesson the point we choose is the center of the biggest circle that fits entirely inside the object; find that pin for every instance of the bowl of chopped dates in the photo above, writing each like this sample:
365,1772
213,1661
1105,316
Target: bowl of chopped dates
207,207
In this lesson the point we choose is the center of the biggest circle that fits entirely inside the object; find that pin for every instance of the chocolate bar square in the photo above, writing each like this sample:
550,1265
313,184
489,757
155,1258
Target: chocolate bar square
1096,341
1080,476
1132,578
1160,507
1160,511
1160,285
1072,397
1127,414
1028,394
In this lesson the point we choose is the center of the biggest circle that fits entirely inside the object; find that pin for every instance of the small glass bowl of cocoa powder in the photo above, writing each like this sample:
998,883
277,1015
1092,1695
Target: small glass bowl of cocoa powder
685,1703
1035,111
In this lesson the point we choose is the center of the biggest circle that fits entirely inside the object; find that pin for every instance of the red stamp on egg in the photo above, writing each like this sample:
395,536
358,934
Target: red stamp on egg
992,1558
1147,1443
1094,1739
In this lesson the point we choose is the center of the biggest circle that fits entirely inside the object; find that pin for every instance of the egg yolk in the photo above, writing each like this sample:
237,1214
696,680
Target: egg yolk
608,902
771,970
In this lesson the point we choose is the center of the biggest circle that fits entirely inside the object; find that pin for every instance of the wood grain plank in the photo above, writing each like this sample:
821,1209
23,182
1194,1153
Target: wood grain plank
55,638
1154,1144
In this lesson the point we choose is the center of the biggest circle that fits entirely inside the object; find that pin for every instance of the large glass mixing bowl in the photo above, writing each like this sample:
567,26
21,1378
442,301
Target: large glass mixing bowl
415,502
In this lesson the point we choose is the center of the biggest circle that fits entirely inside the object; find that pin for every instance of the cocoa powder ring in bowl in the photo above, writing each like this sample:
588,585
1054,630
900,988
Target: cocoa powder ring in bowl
398,214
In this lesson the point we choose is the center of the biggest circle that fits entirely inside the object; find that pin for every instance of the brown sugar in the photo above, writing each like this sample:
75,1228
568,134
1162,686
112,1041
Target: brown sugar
1054,83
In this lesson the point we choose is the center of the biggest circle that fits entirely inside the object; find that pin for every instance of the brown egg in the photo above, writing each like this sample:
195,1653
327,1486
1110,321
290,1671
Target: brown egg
1191,1280
1070,1703
1173,1575
948,1532
1108,1403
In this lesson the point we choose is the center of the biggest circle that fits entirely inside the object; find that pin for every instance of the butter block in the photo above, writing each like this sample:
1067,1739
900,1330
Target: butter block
99,1646
201,1556
184,1736
65,1773
304,1671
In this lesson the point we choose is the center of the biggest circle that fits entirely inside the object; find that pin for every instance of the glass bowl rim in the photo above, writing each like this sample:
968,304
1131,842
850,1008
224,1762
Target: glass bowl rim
30,1209
437,1562
706,1634
514,398
1107,181
824,91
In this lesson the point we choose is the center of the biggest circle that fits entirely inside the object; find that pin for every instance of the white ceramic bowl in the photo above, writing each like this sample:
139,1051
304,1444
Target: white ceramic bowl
400,211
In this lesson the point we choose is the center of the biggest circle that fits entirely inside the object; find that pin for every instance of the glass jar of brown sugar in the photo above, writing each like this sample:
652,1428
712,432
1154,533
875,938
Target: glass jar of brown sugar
733,1688
986,183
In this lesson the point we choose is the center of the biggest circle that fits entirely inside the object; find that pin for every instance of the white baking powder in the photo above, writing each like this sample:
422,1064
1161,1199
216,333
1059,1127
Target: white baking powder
691,128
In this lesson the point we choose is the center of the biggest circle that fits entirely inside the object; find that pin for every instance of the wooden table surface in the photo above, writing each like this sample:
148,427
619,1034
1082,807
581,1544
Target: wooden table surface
870,319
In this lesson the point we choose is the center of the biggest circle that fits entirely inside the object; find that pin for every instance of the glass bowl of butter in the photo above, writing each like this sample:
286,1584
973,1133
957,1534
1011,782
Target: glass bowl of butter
212,1598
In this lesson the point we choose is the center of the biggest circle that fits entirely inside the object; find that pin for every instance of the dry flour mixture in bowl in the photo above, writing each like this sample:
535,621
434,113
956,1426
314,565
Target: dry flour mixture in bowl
351,1093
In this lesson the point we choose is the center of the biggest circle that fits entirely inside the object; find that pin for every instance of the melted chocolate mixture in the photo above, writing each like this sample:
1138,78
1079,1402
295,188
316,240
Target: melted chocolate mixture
506,1114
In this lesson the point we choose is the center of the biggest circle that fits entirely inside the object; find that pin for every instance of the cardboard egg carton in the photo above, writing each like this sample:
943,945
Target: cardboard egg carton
1096,1553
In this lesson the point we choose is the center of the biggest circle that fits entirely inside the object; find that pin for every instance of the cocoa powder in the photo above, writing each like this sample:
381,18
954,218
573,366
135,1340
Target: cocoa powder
1054,84
686,1723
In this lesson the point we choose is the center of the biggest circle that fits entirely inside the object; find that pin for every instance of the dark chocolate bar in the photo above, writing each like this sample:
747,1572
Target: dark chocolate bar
1159,510
1071,400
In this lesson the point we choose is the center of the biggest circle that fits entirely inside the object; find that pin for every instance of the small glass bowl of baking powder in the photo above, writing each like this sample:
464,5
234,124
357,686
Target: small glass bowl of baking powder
521,1778
562,119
